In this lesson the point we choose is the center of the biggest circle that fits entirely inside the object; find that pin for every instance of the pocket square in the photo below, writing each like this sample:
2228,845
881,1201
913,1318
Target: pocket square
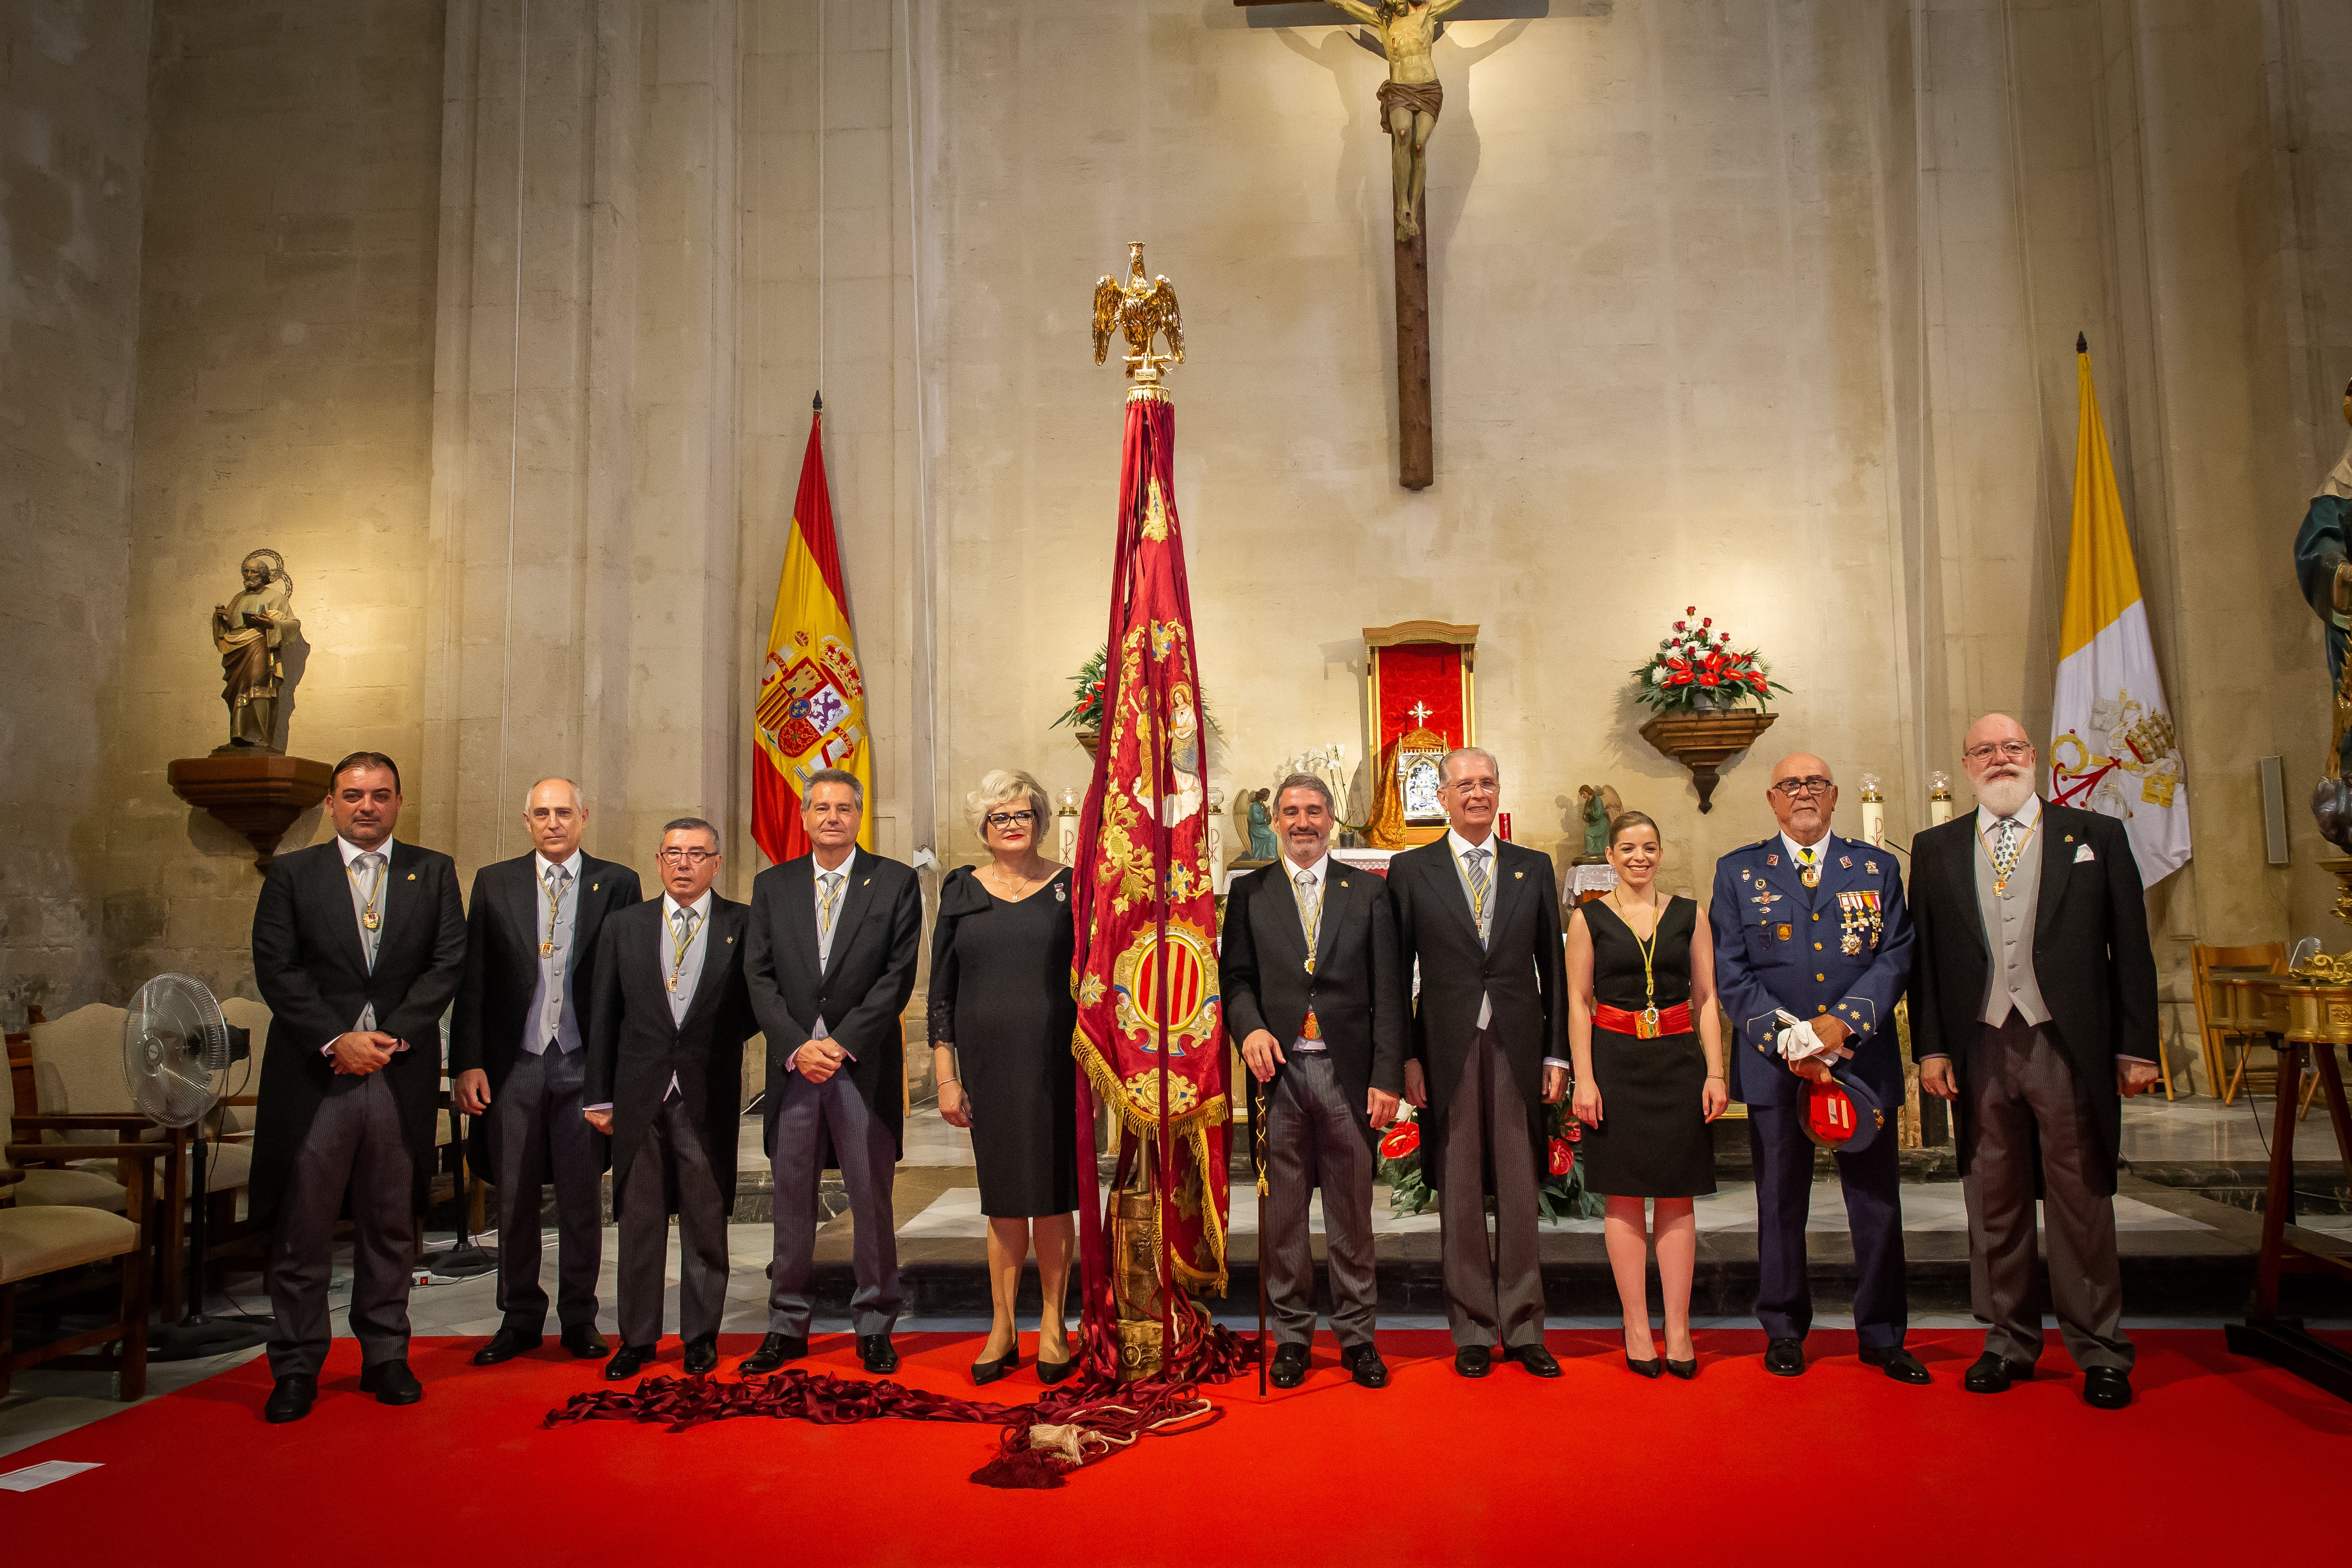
2084,853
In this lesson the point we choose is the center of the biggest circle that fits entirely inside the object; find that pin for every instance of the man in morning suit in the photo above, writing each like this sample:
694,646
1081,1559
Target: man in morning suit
835,935
1315,991
357,948
1481,917
516,1059
2033,1009
1813,925
665,1082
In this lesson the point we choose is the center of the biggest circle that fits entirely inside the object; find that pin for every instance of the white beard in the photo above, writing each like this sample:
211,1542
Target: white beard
2002,797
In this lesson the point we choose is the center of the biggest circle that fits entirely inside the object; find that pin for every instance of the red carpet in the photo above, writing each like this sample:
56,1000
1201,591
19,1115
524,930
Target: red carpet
1842,1467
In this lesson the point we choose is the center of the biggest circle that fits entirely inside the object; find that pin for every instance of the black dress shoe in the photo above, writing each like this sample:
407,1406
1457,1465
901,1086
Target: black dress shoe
627,1361
2106,1388
1785,1358
1365,1365
507,1344
1897,1363
1989,1373
702,1356
988,1371
290,1400
392,1382
1473,1360
584,1342
1289,1367
876,1353
1535,1358
1054,1371
773,1351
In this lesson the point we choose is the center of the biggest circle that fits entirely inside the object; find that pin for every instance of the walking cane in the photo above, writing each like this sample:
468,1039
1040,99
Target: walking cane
1257,1134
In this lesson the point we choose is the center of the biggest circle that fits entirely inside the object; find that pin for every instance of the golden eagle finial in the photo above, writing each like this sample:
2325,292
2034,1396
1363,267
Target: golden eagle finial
1142,308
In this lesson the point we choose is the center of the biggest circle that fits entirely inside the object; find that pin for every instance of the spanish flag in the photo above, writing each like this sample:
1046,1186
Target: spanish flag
812,707
2113,748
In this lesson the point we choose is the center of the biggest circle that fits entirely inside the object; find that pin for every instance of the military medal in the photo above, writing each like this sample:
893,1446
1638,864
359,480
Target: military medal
370,919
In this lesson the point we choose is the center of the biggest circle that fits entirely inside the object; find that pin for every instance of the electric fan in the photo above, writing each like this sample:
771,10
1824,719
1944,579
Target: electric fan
177,1049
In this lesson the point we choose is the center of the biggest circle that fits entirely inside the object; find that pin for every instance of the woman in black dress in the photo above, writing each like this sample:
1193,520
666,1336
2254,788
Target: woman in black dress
1640,974
1000,1016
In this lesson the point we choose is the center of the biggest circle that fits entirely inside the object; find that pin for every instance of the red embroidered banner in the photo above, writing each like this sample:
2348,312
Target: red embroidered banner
1149,1039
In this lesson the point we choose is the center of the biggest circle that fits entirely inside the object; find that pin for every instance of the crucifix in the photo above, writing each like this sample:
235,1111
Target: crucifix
1419,711
1409,101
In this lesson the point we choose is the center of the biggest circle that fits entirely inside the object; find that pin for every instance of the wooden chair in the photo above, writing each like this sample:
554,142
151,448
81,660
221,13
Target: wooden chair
2214,1012
63,1239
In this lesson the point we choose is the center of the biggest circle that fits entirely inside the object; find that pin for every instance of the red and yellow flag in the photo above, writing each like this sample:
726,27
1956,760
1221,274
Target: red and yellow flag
1149,1038
812,707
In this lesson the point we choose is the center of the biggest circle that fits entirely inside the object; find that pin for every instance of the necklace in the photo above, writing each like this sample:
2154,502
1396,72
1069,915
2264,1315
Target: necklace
2001,878
1645,1023
1020,891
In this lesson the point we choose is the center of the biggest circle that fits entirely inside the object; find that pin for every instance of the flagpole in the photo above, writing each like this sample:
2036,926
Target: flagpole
1257,1136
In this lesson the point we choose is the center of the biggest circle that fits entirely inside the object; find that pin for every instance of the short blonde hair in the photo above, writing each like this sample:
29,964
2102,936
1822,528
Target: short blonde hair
998,787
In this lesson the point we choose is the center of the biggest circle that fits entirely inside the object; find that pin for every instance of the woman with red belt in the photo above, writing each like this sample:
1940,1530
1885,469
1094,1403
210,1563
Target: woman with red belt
1641,980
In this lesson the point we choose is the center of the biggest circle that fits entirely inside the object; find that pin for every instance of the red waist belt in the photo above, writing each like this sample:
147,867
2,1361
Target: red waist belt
1643,1026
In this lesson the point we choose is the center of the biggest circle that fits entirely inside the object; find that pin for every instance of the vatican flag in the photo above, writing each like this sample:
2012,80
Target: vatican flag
812,708
2113,747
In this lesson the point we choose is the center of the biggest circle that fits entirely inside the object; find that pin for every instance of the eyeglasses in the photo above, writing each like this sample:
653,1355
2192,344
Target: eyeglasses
1811,784
2008,751
686,856
1002,819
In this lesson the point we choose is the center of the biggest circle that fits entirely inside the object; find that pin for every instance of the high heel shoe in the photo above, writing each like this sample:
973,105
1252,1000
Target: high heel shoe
1051,1372
987,1372
1650,1368
1686,1370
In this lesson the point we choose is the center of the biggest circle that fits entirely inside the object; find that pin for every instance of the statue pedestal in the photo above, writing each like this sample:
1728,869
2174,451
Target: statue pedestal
256,795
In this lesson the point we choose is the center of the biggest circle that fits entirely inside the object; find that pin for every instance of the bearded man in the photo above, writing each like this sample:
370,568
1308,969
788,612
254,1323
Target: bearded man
2033,1012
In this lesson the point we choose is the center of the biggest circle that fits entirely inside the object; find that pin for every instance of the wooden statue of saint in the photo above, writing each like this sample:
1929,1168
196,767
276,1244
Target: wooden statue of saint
249,632
2325,574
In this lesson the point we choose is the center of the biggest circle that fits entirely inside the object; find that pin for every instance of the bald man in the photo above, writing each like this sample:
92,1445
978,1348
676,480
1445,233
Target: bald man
1811,924
2035,1016
517,1068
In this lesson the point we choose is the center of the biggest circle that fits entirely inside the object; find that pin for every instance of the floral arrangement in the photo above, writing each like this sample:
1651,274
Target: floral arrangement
1085,710
1087,705
1697,668
1562,1195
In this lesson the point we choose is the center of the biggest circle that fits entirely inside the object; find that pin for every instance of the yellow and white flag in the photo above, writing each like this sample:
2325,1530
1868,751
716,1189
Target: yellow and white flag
2113,748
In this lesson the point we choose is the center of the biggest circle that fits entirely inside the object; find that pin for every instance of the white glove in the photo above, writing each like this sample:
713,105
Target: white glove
1798,1042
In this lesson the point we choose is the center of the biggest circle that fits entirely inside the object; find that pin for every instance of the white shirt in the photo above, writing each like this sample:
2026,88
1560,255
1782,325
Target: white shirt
688,967
553,1019
352,852
1461,847
1310,896
1820,849
817,874
2028,815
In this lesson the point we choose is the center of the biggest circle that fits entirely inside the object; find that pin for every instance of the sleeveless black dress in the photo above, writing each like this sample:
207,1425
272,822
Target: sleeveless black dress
1001,995
1653,1141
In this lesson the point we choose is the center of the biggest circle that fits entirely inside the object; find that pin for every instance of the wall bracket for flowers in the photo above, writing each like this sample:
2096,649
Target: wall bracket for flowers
1709,700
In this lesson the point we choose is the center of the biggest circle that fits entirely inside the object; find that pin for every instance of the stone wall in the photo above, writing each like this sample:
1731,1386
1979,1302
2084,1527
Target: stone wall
285,398
73,122
501,320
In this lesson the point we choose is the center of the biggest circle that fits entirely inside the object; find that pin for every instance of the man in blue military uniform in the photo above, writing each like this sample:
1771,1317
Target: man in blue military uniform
1812,925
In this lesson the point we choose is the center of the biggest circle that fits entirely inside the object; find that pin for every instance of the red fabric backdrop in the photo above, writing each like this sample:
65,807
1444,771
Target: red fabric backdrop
1414,673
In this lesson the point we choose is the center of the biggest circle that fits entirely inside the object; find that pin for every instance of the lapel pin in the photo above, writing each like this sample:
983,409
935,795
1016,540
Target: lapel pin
593,885
866,883
1517,875
2069,838
1771,859
411,876
1845,862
